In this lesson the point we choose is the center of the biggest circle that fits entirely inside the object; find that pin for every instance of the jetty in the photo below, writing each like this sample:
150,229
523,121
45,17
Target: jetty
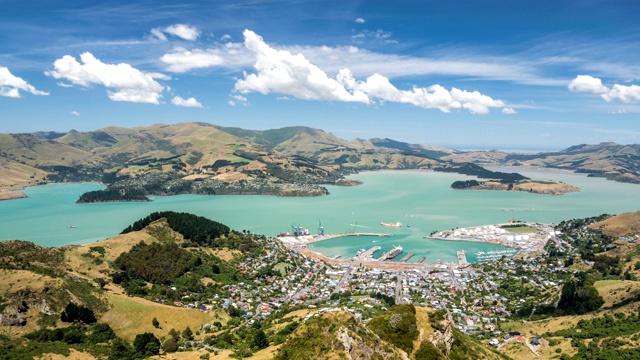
422,259
462,258
407,257
367,234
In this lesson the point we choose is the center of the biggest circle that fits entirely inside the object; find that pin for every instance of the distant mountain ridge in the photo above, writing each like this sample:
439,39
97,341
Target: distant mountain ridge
296,154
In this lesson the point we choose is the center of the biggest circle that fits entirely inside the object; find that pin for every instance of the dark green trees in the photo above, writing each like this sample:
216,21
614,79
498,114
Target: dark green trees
73,313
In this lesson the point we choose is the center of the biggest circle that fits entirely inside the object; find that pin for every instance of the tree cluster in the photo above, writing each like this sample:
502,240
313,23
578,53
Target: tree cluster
156,263
197,229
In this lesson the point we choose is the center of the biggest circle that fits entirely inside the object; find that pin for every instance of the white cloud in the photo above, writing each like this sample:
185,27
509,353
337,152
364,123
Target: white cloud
378,35
623,93
225,37
183,31
75,113
158,33
129,83
509,111
281,72
590,84
11,85
190,102
360,21
586,83
182,60
238,100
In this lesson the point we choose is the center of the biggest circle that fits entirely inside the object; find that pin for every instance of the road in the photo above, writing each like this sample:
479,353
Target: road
399,287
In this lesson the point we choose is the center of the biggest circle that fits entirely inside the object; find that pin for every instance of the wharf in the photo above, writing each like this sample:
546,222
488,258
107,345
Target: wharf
407,257
367,234
369,253
422,259
462,258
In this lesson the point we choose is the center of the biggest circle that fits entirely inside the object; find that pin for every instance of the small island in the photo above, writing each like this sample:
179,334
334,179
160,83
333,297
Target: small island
133,189
533,186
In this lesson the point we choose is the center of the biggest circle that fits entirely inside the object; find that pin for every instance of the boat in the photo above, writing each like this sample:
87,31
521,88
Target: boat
397,250
395,224
71,227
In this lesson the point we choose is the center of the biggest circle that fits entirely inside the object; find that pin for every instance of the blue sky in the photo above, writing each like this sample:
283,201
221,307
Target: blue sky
461,74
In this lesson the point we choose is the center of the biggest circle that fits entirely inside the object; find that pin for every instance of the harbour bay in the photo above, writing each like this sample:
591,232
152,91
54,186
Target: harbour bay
420,200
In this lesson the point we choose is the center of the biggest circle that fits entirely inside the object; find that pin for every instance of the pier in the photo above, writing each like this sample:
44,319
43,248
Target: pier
422,259
407,257
462,258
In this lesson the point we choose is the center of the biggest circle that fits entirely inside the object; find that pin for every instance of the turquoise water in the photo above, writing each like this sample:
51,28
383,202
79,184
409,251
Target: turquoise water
420,199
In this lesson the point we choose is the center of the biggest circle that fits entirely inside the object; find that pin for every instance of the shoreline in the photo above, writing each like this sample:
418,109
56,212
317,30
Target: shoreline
11,195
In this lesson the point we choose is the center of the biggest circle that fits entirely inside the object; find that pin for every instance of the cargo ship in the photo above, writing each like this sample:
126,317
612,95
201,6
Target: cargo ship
397,250
395,224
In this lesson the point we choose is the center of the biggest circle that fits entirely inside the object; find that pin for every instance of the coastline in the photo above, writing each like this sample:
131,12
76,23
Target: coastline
11,195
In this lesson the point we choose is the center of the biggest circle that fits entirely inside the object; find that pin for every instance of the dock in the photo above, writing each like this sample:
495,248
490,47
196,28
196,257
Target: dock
368,255
367,234
422,259
462,258
407,257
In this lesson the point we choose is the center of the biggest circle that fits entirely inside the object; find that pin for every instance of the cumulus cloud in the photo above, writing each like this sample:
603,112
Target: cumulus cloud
190,102
360,20
182,31
509,111
11,85
623,93
75,113
182,60
127,83
281,72
586,83
590,84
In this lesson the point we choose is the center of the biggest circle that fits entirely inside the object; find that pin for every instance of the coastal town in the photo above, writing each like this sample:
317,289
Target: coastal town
476,296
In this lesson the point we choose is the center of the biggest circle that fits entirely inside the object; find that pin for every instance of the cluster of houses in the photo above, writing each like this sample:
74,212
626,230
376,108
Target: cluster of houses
477,298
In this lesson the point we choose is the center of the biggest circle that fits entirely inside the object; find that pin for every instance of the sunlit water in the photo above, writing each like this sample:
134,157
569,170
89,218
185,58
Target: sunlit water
420,199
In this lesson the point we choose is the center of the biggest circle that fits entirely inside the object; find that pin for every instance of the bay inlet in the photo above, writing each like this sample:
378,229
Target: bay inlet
421,200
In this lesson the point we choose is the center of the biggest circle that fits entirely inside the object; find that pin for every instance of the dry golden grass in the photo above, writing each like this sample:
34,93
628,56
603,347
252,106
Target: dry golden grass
615,291
206,281
545,187
195,176
17,280
85,267
73,354
130,316
623,224
8,195
224,254
13,281
424,327
16,176
518,350
231,176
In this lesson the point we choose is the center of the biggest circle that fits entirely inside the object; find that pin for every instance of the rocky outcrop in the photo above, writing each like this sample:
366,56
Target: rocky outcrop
12,316
443,338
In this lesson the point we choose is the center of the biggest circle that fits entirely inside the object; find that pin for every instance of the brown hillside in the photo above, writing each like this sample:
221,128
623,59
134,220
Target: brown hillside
621,225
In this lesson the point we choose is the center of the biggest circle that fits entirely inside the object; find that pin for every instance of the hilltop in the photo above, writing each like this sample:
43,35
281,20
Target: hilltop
294,161
608,160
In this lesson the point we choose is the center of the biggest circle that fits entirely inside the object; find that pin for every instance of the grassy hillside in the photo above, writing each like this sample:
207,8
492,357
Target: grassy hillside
38,283
627,224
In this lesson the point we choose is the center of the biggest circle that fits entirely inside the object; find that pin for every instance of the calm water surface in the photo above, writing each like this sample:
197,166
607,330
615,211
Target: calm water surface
420,199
